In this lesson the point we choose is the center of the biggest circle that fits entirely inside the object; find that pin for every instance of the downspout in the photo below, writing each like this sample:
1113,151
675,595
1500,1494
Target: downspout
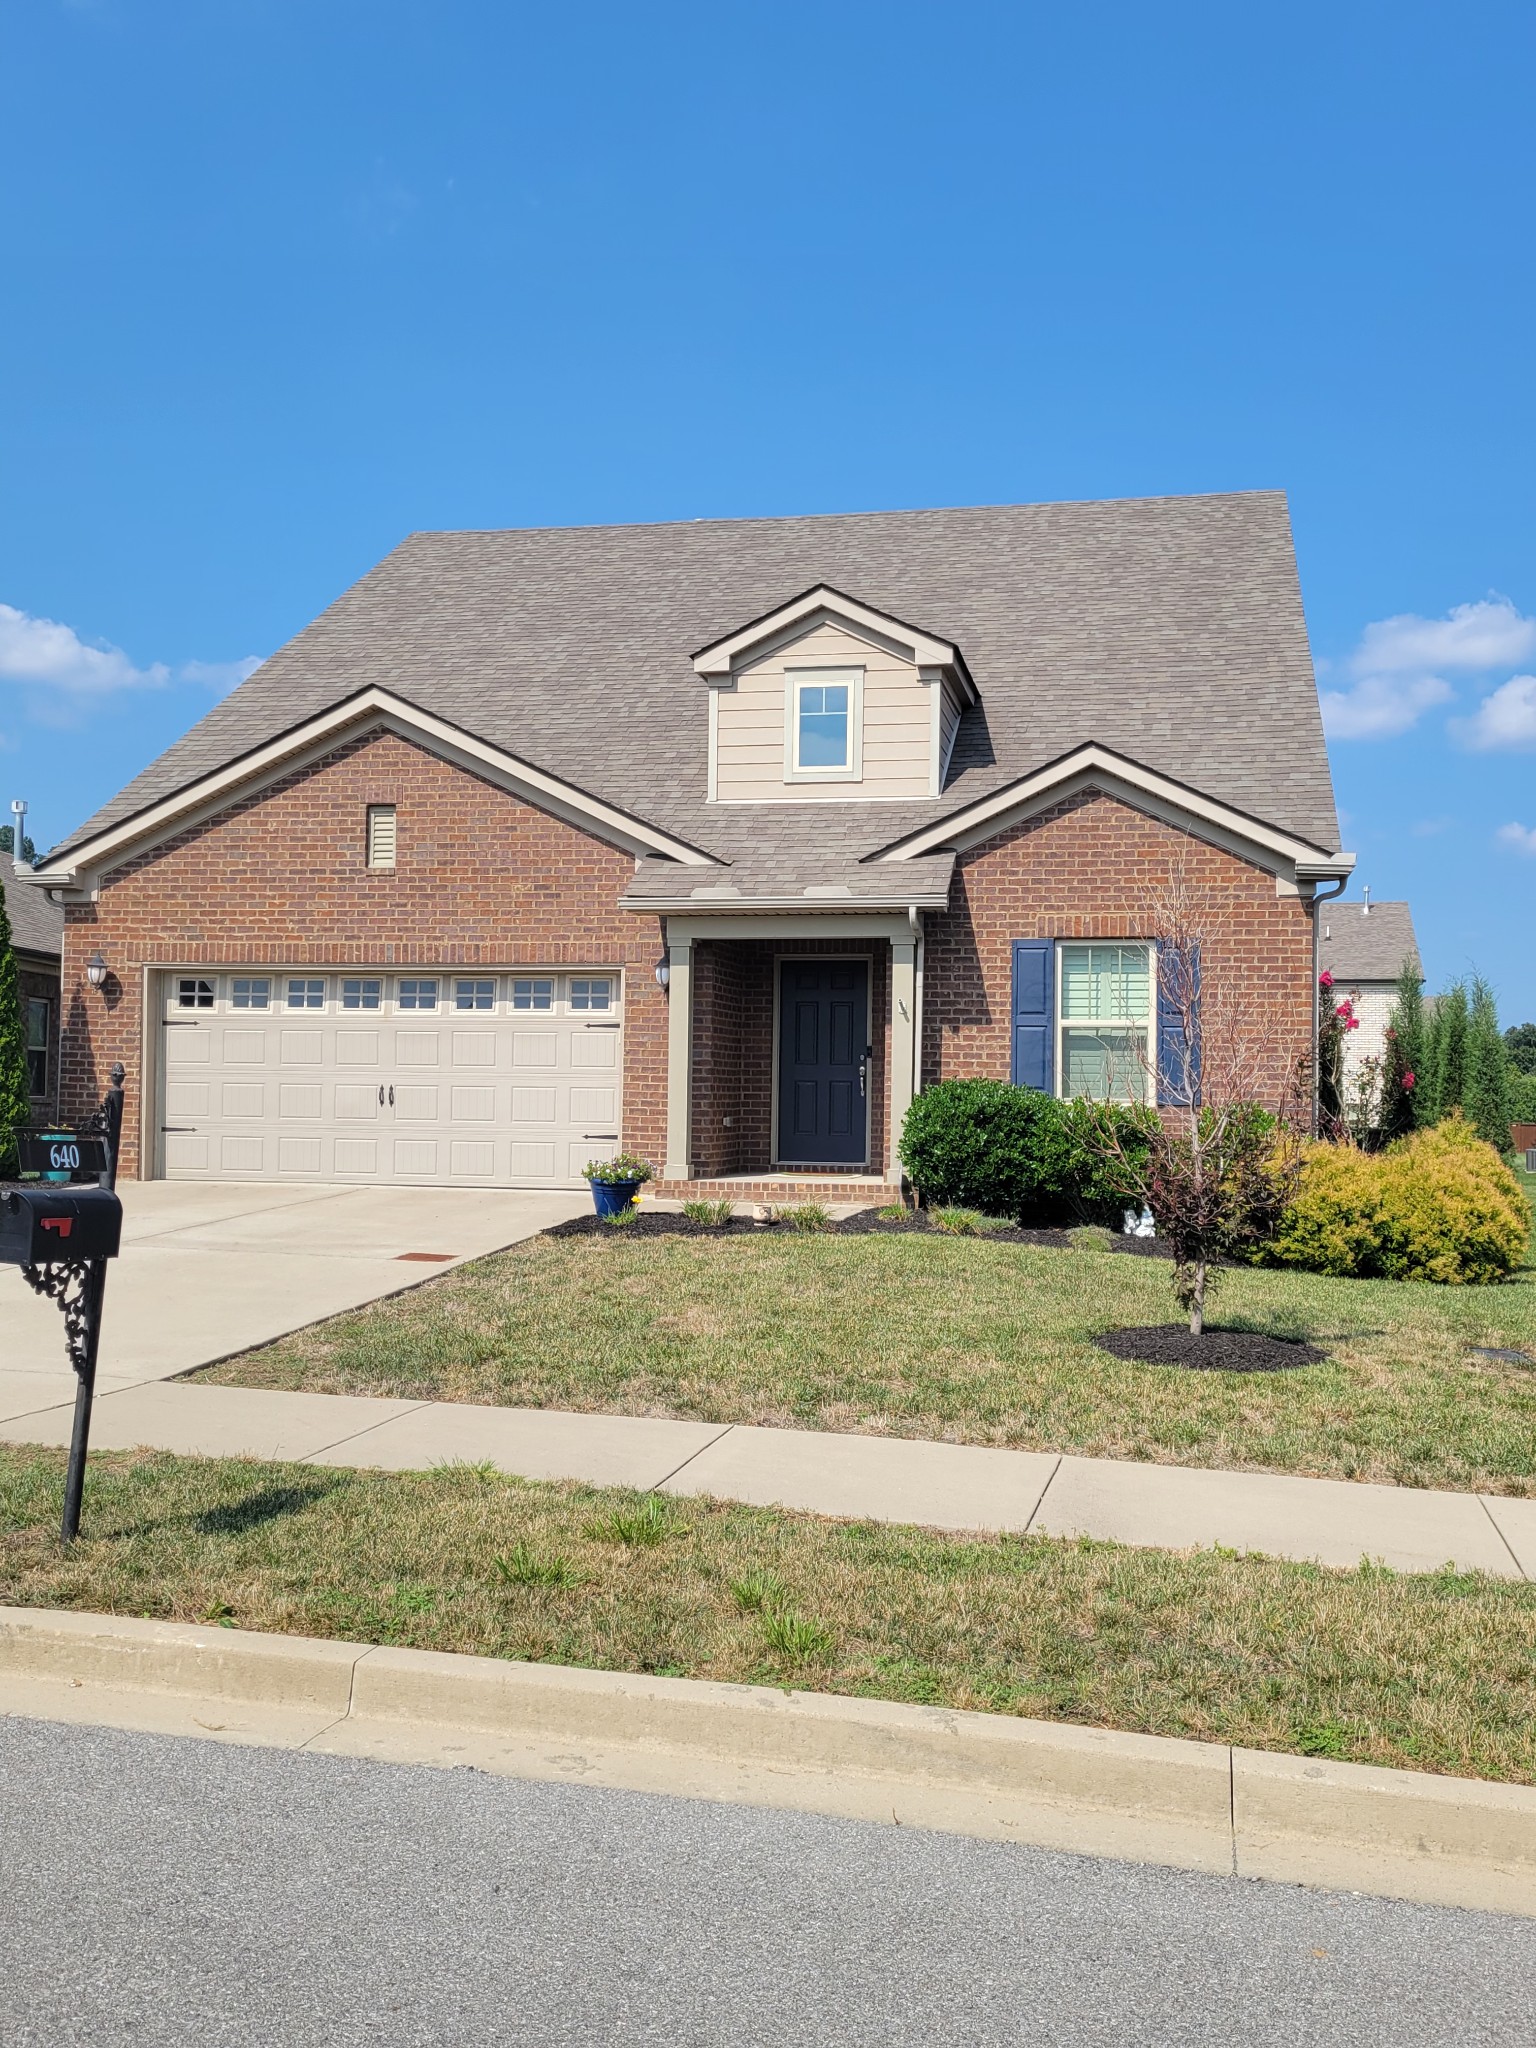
1338,890
915,920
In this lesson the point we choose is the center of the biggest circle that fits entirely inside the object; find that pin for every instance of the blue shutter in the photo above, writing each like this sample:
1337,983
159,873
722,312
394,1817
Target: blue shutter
1034,1019
1178,1064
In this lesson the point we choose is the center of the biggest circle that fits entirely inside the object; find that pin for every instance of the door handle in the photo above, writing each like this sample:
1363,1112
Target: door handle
391,1094
381,1095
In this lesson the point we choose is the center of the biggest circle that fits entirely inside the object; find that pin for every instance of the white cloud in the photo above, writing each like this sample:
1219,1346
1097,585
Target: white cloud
1521,837
1488,634
60,671
1379,706
1400,666
53,657
1505,719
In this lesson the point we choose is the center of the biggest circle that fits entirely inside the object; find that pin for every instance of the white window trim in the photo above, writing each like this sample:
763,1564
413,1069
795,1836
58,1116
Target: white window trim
1062,1025
794,680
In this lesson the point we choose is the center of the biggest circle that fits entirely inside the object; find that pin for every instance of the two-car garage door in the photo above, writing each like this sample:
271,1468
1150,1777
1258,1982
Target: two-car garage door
482,1079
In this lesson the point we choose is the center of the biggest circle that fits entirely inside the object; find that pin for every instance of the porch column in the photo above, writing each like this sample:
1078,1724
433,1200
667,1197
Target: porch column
679,1056
903,1042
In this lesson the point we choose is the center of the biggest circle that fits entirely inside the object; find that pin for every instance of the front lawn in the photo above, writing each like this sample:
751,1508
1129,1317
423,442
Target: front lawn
963,1339
1437,1673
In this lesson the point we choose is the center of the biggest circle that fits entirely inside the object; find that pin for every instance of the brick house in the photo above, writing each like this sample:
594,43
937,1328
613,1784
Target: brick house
712,841
1365,946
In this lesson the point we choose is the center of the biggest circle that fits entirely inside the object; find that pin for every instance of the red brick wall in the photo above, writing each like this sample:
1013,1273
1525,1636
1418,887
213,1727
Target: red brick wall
280,878
733,1025
1085,870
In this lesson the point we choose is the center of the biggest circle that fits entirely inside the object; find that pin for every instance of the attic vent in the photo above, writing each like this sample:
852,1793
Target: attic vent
381,835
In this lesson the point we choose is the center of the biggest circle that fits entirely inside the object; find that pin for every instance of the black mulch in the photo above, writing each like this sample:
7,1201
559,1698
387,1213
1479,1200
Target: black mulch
864,1223
1216,1351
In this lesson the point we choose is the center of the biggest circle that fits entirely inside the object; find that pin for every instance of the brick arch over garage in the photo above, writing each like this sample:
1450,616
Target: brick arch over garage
1086,869
280,878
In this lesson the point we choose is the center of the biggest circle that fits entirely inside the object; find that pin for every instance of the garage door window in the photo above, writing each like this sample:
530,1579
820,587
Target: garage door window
192,994
306,995
533,995
596,994
362,995
474,995
251,994
416,995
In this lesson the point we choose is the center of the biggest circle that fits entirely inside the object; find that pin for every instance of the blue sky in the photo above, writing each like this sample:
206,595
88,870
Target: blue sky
288,279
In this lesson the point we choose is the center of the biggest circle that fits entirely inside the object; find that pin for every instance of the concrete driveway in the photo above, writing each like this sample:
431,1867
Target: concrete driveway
208,1271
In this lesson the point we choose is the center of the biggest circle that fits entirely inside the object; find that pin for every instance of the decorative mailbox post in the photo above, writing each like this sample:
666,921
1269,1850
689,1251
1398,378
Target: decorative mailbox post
62,1233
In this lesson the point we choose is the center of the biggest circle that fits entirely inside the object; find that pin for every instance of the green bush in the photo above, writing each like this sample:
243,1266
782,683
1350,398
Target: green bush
1522,1098
1440,1205
1012,1152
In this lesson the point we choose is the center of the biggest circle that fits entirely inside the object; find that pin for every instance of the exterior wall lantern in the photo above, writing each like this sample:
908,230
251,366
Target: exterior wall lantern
664,973
96,971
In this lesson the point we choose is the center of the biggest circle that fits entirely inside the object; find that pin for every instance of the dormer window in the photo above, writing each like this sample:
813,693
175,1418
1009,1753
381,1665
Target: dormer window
823,718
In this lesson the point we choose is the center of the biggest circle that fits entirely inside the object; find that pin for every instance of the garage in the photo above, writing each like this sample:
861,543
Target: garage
465,1078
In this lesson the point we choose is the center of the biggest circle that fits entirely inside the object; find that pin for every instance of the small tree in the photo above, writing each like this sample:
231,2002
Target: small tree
1336,1018
1218,1169
8,843
1445,1053
1486,1094
1520,1044
1402,1089
15,1088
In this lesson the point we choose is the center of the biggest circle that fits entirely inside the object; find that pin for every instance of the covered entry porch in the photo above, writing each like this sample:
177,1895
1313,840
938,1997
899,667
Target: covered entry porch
792,1044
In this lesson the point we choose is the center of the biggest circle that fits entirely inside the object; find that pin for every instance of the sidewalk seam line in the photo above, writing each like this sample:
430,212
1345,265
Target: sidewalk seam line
1049,1483
1493,1519
1232,1802
667,1477
353,1436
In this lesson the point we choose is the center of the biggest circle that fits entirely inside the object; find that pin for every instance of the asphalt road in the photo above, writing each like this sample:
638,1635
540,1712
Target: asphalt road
158,1890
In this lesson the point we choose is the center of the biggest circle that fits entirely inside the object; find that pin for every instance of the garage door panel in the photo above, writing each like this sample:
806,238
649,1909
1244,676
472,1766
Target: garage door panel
337,1097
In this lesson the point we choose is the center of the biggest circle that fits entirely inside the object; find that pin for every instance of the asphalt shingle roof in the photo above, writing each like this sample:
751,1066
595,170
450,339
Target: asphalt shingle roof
1354,946
37,926
1170,629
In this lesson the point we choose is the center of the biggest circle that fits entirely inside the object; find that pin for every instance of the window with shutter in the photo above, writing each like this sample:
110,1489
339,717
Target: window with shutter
1178,1023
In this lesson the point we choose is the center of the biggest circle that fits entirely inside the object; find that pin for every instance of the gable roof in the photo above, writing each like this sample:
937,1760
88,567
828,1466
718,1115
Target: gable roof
1168,629
37,925
1358,946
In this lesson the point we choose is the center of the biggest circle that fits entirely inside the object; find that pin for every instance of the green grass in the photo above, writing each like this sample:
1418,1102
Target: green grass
951,1338
1436,1672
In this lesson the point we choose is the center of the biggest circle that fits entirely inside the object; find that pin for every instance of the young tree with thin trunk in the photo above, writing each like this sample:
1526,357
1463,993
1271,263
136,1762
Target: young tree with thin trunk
15,1089
1486,1090
1219,1169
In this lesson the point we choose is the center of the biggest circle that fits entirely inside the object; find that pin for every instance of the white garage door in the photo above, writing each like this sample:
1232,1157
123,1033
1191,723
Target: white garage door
479,1079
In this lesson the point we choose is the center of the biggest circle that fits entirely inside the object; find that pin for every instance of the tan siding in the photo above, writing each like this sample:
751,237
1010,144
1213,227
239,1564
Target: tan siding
750,726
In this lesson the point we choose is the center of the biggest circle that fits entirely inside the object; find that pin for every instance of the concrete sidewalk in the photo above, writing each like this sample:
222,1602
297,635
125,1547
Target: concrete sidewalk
210,1270
872,1478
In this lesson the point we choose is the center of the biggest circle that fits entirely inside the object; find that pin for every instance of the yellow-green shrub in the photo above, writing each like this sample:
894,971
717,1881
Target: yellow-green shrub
1441,1205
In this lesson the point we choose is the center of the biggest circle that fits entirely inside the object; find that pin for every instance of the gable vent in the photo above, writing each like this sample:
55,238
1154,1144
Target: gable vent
381,835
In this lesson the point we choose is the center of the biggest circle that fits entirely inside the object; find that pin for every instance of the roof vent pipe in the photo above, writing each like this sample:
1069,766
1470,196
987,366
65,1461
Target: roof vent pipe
19,830
1366,893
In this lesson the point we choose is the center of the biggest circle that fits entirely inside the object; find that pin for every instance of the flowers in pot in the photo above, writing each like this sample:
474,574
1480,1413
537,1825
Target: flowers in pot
616,1183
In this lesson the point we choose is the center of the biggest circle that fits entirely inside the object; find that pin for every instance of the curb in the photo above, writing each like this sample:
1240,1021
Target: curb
1090,1791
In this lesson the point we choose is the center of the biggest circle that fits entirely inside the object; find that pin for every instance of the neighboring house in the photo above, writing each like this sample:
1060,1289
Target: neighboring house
1365,947
37,938
713,841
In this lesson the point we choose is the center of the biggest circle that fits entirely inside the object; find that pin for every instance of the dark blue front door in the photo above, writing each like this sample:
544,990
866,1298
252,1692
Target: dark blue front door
823,1074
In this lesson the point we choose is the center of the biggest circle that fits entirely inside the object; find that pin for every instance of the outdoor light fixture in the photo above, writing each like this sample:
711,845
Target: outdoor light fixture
663,973
96,971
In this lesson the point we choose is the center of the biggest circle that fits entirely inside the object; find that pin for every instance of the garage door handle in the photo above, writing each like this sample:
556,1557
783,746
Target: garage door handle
602,1134
391,1094
602,1027
381,1095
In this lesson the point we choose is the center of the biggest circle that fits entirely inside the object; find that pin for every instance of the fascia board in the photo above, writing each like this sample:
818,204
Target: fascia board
315,736
691,926
719,658
778,907
1097,767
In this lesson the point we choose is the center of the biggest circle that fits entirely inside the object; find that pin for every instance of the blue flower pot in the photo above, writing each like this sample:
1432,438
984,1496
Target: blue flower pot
610,1196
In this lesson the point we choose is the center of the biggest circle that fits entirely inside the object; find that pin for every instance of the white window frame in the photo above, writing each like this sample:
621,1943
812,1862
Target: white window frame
475,983
797,679
1063,1024
307,982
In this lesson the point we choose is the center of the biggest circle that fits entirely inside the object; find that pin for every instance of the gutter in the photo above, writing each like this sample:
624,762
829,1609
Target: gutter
1316,898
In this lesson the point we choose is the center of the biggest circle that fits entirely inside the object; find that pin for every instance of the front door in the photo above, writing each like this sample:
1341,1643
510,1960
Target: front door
823,1062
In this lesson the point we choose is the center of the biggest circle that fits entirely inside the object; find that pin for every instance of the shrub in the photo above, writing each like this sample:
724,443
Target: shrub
1440,1205
1522,1098
1012,1152
807,1218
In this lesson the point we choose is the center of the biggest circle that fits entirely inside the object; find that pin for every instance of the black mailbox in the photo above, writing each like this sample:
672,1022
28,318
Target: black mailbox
40,1225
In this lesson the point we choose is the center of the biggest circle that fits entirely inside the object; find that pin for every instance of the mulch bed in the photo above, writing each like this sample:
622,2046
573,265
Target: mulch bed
864,1223
1216,1351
